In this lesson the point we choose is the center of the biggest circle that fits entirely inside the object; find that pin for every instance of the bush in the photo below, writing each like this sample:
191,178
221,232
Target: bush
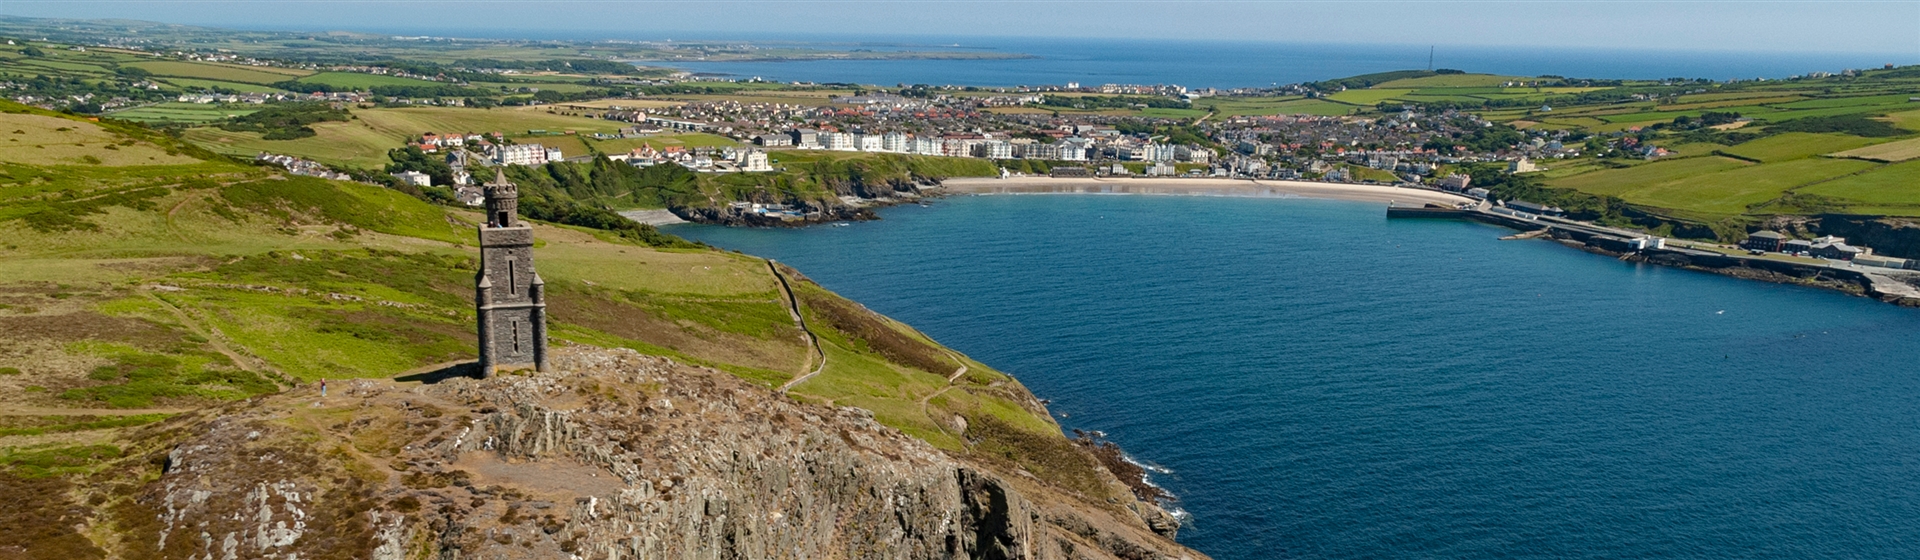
285,121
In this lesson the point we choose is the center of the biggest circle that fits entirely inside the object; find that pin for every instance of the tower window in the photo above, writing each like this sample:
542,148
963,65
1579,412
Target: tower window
514,325
513,278
501,218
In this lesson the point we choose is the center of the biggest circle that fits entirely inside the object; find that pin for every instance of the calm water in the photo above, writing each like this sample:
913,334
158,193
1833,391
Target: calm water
1250,64
1324,383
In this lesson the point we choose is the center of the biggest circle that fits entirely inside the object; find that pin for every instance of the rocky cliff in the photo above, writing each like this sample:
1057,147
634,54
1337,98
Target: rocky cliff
613,455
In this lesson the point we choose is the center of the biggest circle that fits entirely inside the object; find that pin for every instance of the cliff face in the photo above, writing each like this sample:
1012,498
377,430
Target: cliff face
614,455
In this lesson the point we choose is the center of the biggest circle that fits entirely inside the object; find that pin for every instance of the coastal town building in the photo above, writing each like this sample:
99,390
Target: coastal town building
525,154
414,178
1765,240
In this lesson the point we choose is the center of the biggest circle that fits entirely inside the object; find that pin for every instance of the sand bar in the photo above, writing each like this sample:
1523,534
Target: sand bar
1202,187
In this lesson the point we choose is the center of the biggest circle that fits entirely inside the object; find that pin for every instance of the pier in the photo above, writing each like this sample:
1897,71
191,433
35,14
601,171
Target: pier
1896,286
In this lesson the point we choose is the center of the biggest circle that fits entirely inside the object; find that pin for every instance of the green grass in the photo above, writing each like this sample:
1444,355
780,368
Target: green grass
210,71
1452,81
1368,96
1795,145
357,80
1617,181
42,425
1893,189
1263,106
42,462
195,83
178,112
1735,191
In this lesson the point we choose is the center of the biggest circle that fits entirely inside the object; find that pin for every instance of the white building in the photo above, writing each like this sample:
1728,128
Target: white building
838,141
754,161
926,146
994,149
523,154
415,178
867,142
894,142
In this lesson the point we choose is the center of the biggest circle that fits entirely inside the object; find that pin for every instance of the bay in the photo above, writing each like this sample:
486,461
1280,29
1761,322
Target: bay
1324,383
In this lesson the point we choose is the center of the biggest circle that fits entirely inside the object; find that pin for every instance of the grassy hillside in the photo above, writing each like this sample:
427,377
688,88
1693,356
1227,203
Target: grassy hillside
136,291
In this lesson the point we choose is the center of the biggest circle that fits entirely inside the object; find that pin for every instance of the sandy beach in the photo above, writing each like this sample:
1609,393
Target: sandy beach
1201,187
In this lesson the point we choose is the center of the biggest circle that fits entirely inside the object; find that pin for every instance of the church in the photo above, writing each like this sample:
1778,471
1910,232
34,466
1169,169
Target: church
508,293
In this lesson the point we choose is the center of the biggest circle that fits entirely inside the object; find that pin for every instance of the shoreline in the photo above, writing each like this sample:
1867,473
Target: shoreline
1248,188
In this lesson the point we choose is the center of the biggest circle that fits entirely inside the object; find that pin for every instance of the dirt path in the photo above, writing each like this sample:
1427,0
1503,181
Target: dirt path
213,336
951,381
818,358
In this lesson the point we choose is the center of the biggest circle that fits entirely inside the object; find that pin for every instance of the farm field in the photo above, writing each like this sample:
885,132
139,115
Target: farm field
1368,96
1892,190
199,84
356,80
1896,151
1795,145
1735,191
1617,181
1452,81
178,112
1279,106
222,72
561,87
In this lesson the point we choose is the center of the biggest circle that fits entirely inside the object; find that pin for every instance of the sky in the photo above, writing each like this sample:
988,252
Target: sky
1847,26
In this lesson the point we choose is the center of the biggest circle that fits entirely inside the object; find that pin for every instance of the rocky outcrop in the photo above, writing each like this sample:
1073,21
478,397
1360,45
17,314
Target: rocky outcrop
613,455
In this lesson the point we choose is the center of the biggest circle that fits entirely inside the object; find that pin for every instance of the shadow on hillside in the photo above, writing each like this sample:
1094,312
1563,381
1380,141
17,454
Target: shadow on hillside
432,376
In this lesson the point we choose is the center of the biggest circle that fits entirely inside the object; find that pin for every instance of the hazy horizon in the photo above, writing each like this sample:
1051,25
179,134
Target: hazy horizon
1864,27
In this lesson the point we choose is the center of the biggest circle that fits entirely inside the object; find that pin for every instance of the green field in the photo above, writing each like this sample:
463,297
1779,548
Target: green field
1795,145
1735,191
1368,96
1278,106
1899,150
194,83
1892,190
221,72
1452,81
357,80
1617,181
178,112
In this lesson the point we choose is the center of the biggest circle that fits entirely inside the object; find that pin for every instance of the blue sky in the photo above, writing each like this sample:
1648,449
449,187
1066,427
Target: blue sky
1871,26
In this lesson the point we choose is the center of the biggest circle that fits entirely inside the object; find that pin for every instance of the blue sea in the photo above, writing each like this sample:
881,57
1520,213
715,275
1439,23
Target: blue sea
1255,64
1320,382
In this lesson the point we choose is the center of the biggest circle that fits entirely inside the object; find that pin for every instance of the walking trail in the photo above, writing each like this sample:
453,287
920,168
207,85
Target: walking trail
817,359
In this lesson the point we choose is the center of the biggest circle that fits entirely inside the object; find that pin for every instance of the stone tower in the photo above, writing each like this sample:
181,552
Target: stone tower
508,294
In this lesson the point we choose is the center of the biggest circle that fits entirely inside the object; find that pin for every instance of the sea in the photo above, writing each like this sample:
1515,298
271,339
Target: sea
1313,380
1228,64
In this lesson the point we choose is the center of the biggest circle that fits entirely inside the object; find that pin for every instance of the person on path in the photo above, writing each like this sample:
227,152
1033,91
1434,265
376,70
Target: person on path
323,387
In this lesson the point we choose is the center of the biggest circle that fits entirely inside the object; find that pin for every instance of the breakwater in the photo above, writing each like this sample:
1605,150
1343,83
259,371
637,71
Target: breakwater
1891,286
